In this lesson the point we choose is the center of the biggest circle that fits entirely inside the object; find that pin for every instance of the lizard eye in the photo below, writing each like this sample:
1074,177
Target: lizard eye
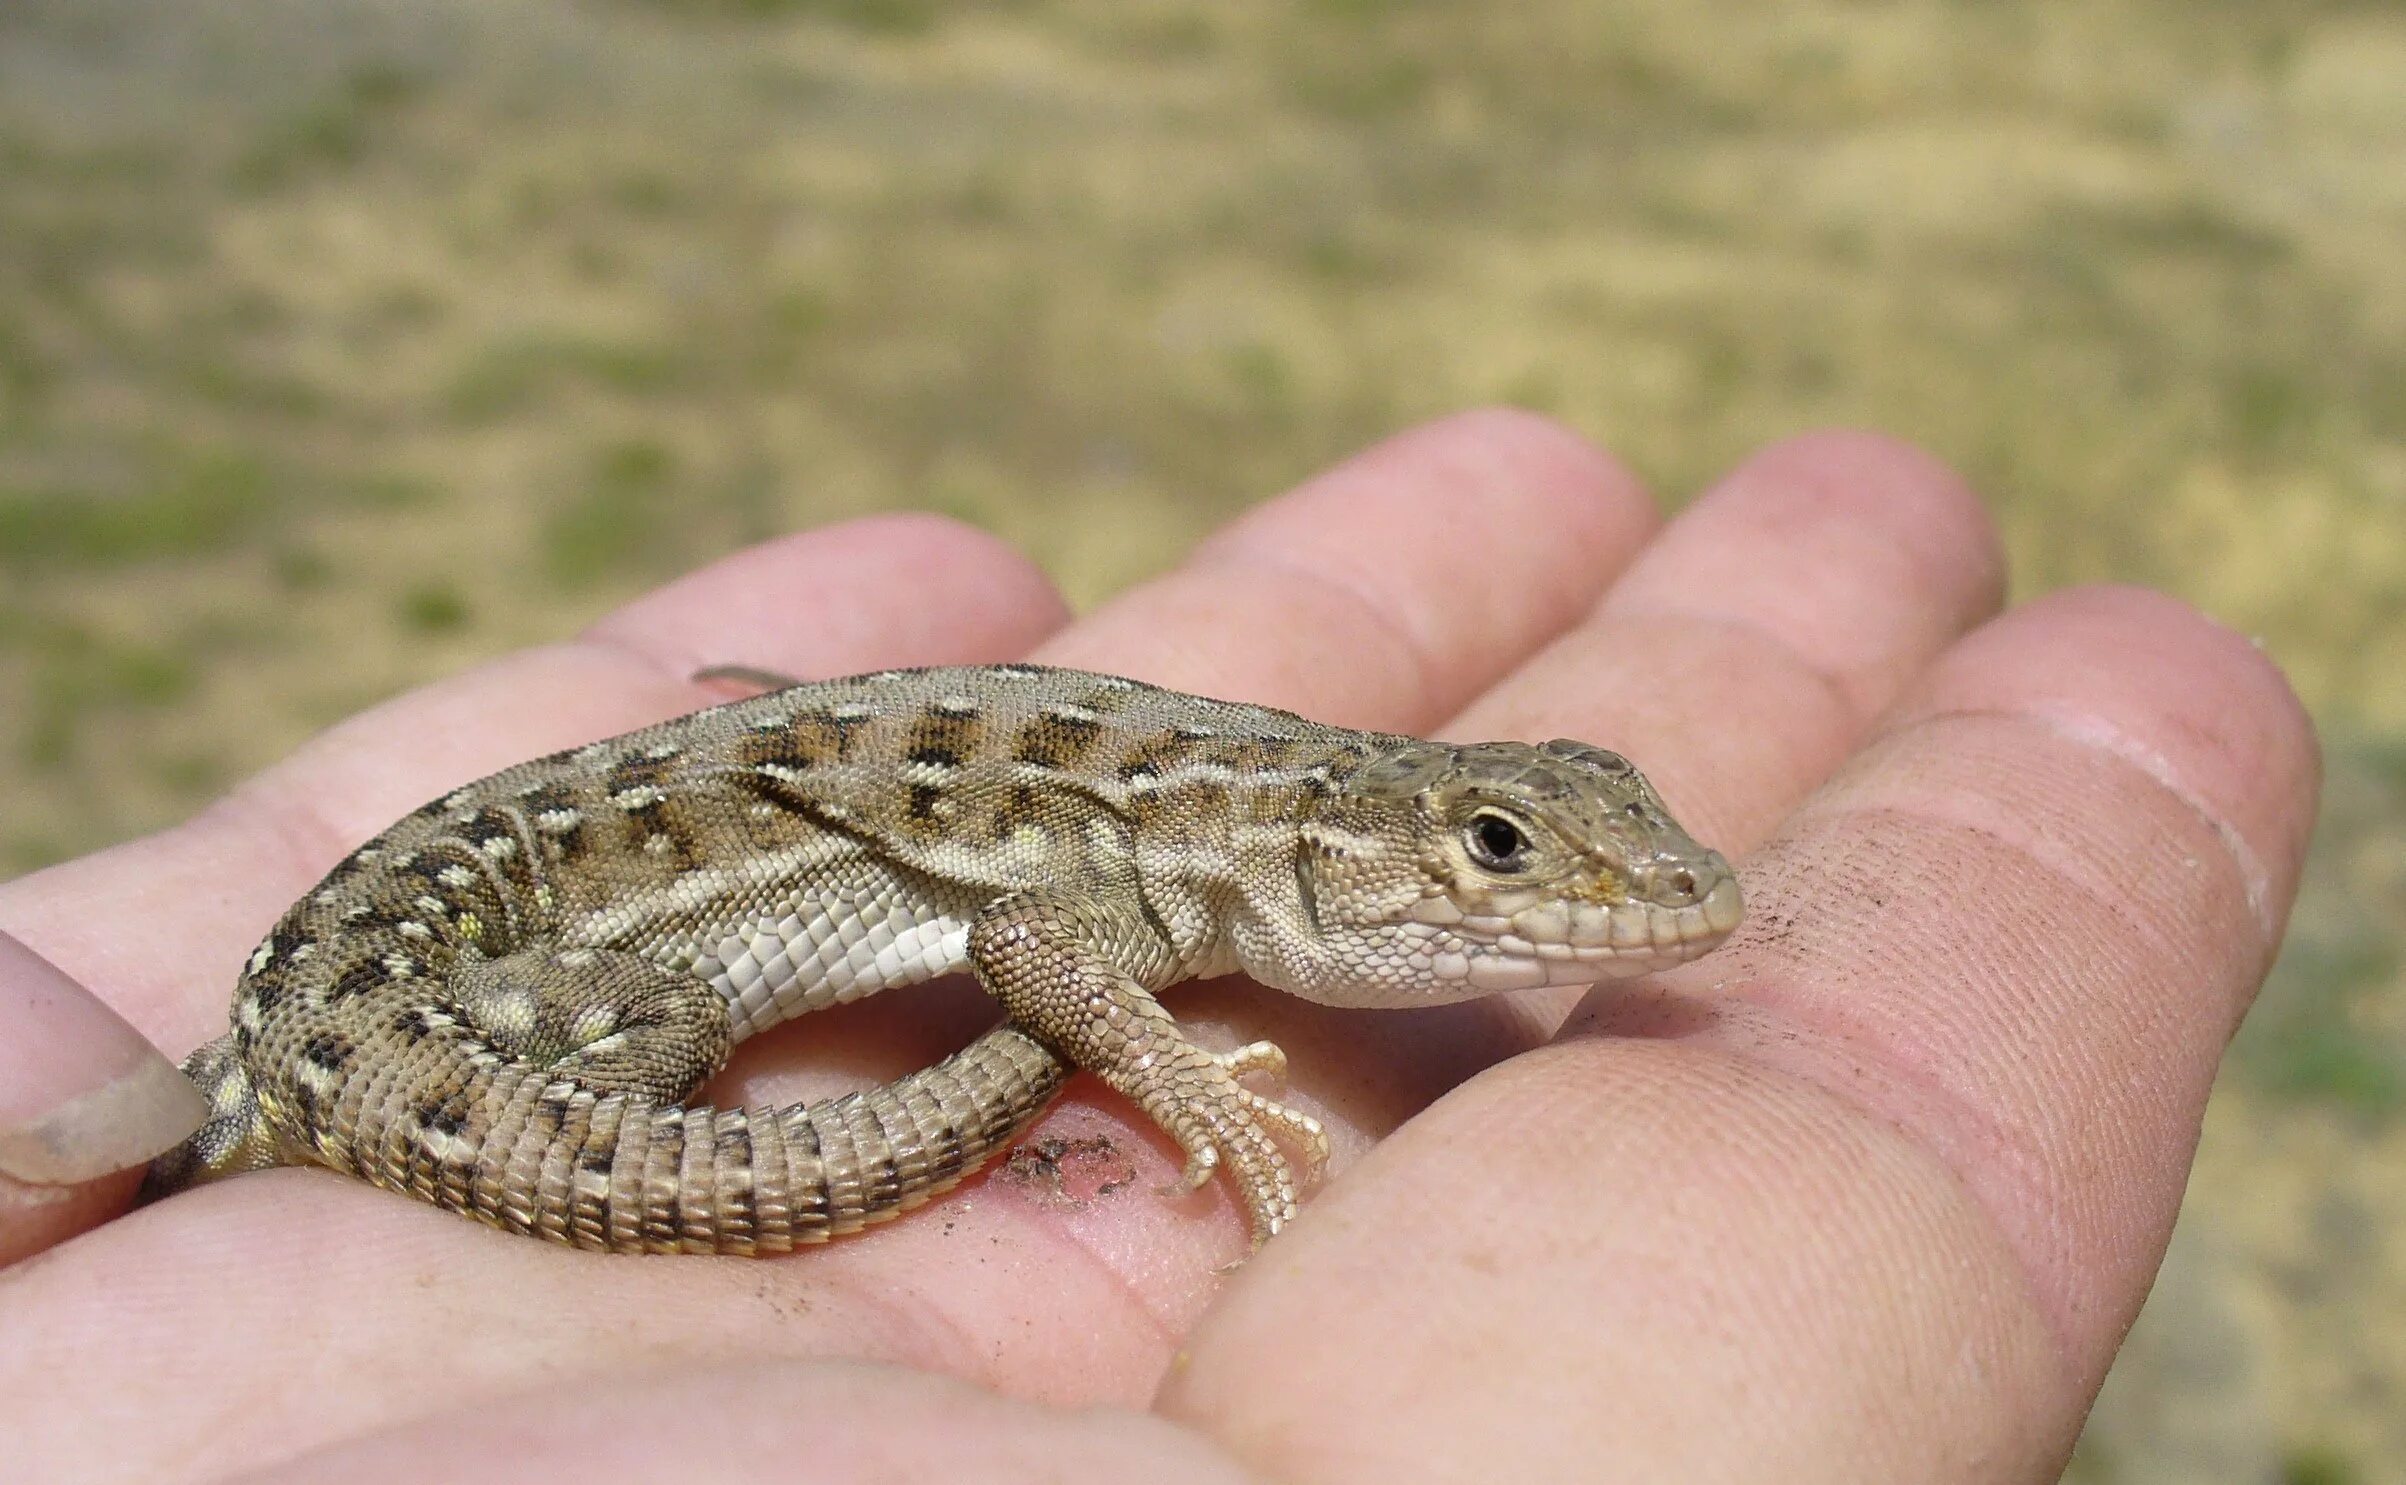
1496,843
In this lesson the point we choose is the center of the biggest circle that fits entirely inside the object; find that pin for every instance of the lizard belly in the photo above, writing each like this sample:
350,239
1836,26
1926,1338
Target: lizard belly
815,949
781,936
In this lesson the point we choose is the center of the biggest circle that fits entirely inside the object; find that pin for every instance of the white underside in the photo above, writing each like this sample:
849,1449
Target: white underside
783,935
811,952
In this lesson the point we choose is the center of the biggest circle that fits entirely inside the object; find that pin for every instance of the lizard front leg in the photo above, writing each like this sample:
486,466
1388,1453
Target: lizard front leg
1064,968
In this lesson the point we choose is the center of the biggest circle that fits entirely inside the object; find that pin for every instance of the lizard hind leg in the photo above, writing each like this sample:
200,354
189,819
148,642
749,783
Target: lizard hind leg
613,1022
234,1138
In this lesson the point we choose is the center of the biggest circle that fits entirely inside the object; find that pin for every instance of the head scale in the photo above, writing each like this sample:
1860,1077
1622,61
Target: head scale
1437,872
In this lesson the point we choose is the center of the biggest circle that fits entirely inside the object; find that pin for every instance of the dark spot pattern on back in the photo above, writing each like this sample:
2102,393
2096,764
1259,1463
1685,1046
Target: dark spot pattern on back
1056,740
784,748
357,978
633,770
832,733
485,825
448,1116
941,739
1023,807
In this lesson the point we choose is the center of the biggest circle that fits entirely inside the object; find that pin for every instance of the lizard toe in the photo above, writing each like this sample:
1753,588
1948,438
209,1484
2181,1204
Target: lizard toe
1267,1058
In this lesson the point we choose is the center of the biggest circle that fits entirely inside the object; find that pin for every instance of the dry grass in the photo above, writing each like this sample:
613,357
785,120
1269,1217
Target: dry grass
342,341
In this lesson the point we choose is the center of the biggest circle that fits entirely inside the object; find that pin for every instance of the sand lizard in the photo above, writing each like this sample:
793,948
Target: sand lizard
501,1003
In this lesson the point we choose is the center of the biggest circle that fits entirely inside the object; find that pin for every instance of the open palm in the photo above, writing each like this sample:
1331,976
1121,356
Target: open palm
1871,1193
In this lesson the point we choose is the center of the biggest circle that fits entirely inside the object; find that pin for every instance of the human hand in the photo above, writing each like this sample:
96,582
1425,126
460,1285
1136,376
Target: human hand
1870,1193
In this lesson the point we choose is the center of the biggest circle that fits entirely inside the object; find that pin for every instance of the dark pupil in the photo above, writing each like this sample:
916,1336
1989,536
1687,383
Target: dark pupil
1498,840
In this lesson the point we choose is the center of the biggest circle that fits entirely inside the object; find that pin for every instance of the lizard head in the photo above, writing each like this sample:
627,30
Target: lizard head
1462,870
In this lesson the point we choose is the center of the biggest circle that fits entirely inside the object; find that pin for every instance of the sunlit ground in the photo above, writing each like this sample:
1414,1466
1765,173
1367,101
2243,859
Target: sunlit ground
342,342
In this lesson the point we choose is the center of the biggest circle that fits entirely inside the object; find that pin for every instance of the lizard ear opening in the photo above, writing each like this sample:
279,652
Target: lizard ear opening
1312,845
1306,893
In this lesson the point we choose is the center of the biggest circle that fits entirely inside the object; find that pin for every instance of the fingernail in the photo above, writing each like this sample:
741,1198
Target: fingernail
82,1094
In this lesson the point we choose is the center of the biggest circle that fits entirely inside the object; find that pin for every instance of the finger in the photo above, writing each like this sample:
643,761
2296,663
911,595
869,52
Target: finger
1894,1167
345,1320
2126,792
1744,655
743,1423
84,1103
888,591
1747,652
1386,592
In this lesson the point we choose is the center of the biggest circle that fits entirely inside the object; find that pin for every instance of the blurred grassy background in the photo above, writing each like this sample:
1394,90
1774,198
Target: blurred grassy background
344,341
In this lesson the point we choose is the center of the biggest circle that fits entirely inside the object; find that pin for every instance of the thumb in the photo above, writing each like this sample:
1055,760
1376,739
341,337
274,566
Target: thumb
85,1102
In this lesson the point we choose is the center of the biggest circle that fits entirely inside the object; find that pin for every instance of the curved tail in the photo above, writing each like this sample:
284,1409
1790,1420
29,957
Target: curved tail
517,1147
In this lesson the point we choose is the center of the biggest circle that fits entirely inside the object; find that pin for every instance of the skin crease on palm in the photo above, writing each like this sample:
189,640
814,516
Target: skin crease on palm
1870,1194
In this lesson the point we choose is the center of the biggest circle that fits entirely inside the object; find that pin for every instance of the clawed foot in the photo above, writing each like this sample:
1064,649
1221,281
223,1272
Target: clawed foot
1217,1121
1050,960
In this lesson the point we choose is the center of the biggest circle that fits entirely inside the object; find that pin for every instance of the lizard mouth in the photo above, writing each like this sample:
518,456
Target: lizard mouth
1523,940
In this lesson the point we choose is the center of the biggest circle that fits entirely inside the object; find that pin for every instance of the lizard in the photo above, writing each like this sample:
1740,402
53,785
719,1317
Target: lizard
502,1003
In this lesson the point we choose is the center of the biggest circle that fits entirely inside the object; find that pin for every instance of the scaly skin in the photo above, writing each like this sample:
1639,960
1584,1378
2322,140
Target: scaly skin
501,1003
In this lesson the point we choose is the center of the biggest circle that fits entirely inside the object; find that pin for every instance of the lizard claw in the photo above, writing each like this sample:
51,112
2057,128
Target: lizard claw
1202,1163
